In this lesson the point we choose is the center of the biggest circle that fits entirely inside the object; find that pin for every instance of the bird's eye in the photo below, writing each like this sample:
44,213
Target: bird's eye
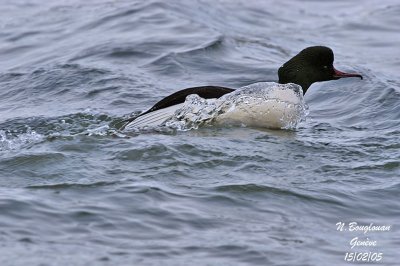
325,67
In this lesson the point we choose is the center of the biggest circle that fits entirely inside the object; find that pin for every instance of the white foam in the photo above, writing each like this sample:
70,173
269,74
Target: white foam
13,142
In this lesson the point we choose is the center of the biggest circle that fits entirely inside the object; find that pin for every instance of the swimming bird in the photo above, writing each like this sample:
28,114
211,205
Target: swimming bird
312,64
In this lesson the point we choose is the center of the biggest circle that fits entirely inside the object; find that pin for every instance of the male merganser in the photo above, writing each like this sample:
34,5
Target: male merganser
313,64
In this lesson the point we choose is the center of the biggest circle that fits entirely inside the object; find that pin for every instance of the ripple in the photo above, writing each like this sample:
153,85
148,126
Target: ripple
255,188
216,42
73,185
126,12
23,35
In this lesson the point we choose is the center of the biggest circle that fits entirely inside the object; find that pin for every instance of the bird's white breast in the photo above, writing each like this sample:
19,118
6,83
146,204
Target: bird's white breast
279,110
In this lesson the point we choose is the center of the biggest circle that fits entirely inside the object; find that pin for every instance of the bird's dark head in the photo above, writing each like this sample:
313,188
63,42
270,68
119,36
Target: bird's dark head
311,65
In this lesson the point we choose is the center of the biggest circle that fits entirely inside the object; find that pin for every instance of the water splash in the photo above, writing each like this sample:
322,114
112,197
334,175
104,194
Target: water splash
22,133
10,141
263,104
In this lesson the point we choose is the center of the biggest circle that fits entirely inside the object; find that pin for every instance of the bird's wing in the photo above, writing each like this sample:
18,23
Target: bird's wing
179,97
206,92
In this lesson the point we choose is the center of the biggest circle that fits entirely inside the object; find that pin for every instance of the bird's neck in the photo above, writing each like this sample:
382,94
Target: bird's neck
304,83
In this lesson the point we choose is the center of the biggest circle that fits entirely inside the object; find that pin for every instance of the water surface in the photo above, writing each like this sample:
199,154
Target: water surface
74,190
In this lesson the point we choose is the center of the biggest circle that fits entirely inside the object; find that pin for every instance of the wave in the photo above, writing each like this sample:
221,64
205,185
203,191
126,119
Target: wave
22,133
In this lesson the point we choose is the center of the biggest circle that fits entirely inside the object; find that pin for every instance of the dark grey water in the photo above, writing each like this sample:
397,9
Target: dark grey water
76,191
